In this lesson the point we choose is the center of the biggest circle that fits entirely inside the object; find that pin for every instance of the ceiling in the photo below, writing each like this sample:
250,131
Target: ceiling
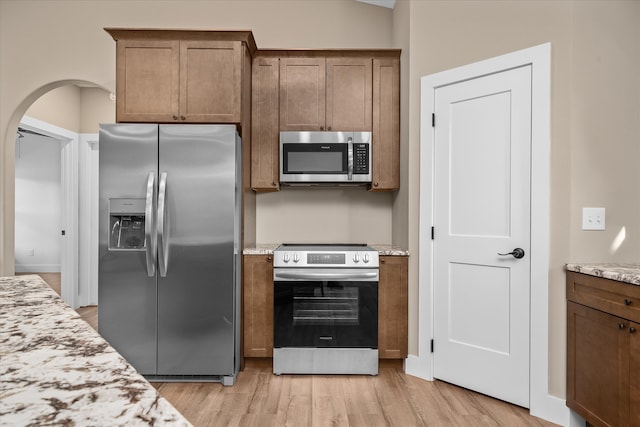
384,3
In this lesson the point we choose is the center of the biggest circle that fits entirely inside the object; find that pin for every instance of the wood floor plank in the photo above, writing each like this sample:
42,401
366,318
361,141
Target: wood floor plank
329,407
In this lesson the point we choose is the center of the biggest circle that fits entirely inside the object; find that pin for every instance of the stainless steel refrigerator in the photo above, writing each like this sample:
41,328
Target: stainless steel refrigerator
169,248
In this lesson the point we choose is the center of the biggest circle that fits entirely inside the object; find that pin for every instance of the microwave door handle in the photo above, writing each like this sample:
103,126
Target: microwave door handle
350,158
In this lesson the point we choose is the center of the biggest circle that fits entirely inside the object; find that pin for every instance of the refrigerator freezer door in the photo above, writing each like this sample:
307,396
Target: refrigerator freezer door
196,310
126,293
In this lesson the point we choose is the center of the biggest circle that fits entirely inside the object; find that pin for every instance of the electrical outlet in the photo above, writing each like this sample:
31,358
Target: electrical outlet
593,219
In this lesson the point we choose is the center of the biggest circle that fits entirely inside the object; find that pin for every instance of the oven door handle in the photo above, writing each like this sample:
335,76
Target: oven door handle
289,275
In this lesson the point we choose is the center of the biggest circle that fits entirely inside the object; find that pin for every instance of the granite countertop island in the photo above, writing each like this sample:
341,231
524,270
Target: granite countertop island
56,370
626,273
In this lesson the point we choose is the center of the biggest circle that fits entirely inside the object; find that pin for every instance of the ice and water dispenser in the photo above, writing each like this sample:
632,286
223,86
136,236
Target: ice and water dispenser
127,224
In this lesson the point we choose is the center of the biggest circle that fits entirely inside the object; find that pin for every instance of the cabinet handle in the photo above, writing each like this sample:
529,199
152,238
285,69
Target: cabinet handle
621,326
321,127
175,117
382,260
375,184
328,127
632,330
183,118
268,259
627,301
273,184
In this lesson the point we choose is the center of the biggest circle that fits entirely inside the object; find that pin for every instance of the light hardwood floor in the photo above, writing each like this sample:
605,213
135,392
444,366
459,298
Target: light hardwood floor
392,398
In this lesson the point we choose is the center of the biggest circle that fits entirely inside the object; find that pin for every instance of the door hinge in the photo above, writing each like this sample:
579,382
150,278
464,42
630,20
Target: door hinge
433,233
431,346
433,120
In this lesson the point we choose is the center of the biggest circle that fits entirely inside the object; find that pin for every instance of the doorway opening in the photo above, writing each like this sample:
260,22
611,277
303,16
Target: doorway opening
38,205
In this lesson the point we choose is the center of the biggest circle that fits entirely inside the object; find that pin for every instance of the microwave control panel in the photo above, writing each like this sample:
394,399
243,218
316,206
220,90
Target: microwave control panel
361,158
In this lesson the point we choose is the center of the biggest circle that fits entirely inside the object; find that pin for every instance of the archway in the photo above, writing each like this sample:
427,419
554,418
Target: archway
71,154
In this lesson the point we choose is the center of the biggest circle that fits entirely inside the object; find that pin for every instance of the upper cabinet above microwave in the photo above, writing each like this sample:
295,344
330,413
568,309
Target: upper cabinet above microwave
326,94
181,76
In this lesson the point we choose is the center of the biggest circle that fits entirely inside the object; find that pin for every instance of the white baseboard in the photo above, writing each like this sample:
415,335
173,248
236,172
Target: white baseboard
38,268
417,367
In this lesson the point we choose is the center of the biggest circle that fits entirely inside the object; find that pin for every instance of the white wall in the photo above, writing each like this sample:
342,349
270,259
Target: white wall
38,204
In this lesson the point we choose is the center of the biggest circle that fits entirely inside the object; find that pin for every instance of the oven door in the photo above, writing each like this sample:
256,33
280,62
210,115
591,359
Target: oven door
335,308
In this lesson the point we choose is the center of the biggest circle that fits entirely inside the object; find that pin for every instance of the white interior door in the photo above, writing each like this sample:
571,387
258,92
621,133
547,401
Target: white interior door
482,209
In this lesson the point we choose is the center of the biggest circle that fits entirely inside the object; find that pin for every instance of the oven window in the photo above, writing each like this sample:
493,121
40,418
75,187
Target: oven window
341,314
325,305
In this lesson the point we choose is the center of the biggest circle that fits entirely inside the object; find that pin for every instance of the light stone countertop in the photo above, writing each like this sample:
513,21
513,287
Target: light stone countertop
626,273
383,250
57,370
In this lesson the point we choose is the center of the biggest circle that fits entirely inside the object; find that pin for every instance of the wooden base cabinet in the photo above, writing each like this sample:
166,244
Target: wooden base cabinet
603,350
257,307
393,307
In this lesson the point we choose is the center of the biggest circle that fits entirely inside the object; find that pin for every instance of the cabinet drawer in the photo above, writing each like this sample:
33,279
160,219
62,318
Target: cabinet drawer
607,295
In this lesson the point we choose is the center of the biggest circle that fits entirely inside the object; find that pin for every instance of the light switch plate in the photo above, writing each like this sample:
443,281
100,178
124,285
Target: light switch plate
593,218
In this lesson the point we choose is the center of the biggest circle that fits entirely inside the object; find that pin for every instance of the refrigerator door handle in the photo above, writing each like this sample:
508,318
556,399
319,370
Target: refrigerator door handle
149,225
163,248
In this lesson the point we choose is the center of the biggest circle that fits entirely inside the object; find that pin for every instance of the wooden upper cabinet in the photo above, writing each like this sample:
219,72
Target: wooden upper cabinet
147,80
319,93
386,125
348,99
210,81
181,76
265,123
302,94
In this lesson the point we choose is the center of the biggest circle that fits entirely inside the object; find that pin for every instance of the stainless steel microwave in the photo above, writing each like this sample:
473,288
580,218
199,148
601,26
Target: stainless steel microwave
325,157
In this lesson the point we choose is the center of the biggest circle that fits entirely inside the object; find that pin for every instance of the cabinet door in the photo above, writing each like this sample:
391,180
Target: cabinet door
597,365
257,312
349,92
393,307
302,94
147,80
210,81
265,125
634,374
386,125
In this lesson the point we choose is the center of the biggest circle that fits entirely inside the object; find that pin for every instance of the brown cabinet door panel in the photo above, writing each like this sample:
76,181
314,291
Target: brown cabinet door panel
634,374
597,365
257,311
302,94
147,80
386,125
349,92
210,81
393,308
265,124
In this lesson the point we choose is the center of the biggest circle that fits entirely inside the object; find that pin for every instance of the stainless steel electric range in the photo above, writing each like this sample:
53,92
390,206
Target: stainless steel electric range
325,309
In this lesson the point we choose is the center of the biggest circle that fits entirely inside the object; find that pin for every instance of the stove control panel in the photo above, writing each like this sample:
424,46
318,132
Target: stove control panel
361,257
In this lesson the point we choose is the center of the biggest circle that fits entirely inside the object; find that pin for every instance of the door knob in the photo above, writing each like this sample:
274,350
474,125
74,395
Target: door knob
517,253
